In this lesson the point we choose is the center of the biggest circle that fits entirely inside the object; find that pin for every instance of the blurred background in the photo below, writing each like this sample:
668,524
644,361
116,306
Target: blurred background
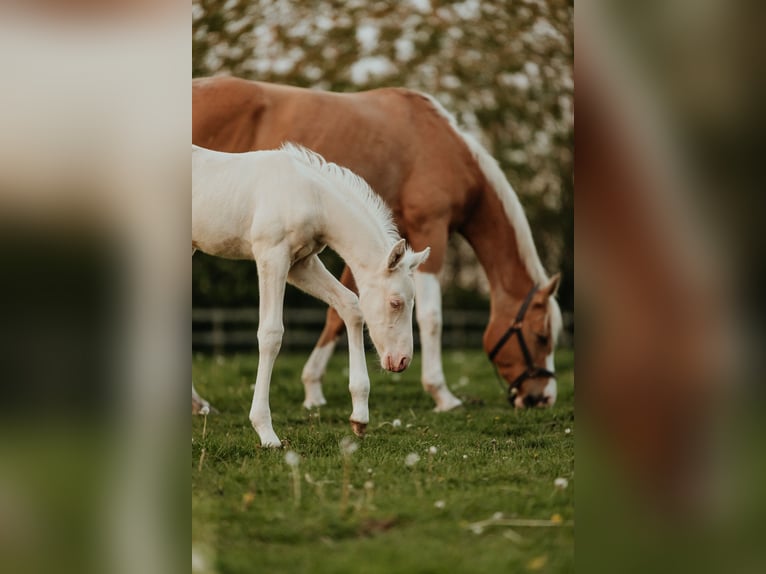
505,69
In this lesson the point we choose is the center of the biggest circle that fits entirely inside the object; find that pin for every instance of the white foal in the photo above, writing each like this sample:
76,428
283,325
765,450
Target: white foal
281,208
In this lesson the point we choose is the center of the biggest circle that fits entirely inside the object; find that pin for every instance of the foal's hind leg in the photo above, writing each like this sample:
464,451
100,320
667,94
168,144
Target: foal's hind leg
199,405
315,367
272,274
313,277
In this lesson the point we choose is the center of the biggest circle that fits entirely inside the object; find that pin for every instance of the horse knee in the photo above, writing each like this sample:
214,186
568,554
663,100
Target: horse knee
430,321
270,339
351,312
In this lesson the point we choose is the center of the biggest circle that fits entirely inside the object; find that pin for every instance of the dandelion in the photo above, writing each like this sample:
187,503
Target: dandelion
561,483
348,446
412,459
567,431
317,484
440,504
396,423
465,457
293,460
432,450
369,491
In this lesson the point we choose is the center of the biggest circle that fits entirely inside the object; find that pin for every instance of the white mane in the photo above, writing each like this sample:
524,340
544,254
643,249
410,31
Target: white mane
350,182
513,209
505,193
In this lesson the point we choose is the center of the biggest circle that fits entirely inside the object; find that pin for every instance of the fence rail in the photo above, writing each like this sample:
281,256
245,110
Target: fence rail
222,329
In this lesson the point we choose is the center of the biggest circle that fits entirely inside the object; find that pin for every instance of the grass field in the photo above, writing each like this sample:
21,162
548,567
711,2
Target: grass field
461,509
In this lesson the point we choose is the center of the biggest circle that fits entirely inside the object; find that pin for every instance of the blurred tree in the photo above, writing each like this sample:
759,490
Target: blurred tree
504,69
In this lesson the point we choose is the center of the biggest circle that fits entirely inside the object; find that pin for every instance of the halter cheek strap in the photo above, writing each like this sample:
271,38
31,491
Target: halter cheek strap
532,371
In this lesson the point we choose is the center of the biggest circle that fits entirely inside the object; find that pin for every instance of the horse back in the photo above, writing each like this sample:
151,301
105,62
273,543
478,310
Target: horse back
392,137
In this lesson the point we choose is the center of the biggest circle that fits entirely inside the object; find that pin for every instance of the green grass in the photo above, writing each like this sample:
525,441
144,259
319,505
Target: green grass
490,459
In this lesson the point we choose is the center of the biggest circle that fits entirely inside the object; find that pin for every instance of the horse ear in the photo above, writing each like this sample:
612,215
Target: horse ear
396,255
419,258
552,286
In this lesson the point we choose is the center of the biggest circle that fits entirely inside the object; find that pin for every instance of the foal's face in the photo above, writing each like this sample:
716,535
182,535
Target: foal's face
540,321
386,301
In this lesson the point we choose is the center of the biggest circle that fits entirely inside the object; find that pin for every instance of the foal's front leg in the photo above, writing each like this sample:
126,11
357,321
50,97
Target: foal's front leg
312,276
272,275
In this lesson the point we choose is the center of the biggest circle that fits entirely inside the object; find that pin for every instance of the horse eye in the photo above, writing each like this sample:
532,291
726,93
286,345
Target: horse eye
396,304
543,339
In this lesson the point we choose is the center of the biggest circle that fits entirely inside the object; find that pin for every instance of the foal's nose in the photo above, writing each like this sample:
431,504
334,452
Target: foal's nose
397,364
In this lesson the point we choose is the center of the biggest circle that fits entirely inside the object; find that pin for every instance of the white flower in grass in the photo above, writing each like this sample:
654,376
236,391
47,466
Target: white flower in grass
465,457
348,446
567,431
412,459
440,504
497,516
477,528
432,450
292,458
561,483
396,423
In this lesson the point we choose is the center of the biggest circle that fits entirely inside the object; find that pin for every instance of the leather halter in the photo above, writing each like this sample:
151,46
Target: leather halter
531,372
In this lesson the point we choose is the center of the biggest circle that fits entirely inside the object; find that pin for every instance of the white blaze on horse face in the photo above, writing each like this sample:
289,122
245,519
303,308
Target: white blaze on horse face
550,392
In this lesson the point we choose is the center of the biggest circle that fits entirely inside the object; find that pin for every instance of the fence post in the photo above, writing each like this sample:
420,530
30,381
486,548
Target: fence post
218,335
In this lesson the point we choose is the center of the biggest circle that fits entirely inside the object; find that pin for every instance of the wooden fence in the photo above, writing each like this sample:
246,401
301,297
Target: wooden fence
220,330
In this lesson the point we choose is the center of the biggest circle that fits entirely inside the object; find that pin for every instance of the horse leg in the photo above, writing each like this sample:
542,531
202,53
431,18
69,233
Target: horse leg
428,309
316,366
272,275
312,276
429,316
199,405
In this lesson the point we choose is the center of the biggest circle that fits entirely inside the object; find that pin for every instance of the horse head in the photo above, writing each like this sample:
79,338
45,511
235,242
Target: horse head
386,299
520,339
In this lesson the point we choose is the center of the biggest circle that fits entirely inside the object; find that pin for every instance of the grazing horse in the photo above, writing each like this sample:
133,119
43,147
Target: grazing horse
281,208
436,179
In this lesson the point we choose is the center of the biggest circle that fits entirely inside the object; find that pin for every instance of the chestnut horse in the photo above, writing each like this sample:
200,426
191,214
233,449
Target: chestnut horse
436,179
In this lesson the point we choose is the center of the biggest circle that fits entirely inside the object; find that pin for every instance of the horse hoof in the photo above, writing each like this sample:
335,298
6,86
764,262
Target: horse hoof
447,406
358,428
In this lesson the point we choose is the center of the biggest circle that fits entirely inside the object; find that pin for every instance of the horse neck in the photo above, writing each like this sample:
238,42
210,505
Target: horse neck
493,239
354,234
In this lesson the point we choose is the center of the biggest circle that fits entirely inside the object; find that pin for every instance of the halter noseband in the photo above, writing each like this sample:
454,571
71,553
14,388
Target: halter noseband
531,372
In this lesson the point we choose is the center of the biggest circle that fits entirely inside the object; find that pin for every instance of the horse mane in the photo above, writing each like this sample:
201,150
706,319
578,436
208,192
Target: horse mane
498,182
350,182
513,208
